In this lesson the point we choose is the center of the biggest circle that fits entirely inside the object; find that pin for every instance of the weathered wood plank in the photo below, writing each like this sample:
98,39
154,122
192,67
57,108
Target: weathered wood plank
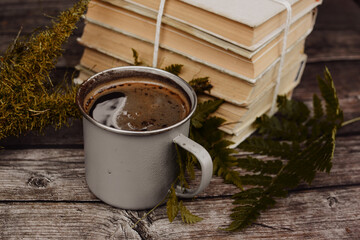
59,174
31,15
333,16
64,221
345,74
336,34
318,214
307,215
65,137
333,45
43,174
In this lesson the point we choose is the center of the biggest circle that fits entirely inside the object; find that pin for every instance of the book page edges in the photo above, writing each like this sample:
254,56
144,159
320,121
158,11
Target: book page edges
201,61
123,11
203,33
295,73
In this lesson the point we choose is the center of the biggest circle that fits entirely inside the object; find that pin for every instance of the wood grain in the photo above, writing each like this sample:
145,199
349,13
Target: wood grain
43,192
28,16
316,214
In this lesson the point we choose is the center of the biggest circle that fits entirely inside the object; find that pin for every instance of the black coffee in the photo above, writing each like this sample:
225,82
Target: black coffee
138,106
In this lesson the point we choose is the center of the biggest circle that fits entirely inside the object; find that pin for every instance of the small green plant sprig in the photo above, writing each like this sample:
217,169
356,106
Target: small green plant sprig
204,130
300,143
28,99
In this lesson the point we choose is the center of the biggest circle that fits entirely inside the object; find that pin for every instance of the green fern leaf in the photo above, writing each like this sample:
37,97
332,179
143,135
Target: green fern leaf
294,111
172,205
174,69
256,165
288,124
275,148
200,85
187,216
299,158
328,92
191,161
249,193
181,155
203,110
256,180
318,109
137,62
245,215
230,176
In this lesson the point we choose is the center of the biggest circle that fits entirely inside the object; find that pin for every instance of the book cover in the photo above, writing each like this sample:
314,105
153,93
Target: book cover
130,23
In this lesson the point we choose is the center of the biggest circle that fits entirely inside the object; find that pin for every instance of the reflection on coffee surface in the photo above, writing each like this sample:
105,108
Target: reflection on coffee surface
138,106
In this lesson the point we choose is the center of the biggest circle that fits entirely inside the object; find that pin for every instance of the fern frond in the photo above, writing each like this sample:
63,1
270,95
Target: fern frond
328,92
269,147
301,157
253,193
187,216
203,110
256,165
200,85
172,205
294,111
244,215
137,62
256,180
174,69
280,128
318,109
222,168
180,160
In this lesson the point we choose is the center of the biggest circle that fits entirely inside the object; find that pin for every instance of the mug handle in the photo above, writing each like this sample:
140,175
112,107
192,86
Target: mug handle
205,161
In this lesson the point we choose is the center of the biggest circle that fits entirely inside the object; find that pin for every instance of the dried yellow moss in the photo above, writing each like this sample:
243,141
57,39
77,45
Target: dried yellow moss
28,101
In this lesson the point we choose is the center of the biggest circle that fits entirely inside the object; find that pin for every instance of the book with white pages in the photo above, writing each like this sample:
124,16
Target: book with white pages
220,56
245,25
227,85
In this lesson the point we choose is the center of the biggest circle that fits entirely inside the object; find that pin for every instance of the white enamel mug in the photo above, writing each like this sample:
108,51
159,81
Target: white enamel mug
135,169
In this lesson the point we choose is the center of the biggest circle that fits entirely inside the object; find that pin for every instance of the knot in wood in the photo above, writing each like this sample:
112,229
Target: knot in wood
38,181
332,201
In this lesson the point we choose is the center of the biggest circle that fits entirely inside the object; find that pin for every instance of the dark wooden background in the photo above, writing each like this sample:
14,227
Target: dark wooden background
43,193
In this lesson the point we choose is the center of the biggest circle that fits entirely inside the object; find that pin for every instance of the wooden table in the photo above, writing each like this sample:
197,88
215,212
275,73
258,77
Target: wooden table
43,193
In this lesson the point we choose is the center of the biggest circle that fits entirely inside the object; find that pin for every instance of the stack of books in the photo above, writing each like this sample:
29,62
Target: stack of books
236,43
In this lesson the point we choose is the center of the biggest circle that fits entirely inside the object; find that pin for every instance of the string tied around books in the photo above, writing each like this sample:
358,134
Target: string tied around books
157,32
282,56
283,52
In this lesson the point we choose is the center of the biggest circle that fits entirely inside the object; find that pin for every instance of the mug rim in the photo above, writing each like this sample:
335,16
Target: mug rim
156,71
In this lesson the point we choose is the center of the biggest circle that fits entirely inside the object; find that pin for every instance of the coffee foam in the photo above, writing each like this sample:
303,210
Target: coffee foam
109,112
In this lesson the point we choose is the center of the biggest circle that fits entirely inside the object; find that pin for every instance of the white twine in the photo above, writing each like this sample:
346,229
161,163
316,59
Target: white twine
283,52
282,56
157,33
